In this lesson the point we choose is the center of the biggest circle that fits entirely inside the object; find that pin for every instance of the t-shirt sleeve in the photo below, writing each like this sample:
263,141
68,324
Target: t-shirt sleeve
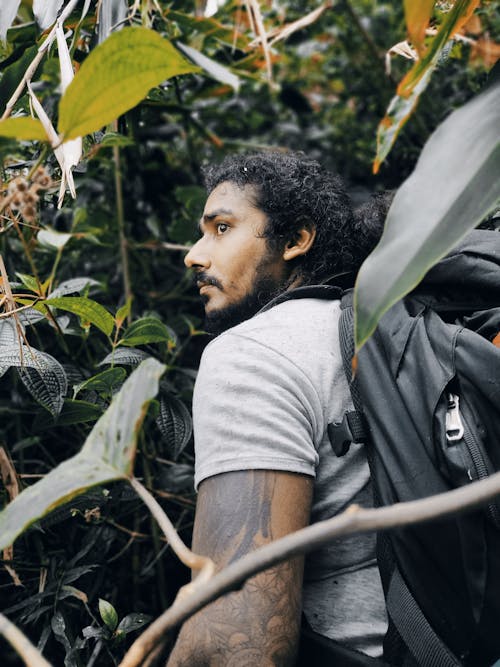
253,408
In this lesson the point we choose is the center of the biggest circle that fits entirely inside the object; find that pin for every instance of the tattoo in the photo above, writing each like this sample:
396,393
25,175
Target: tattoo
258,625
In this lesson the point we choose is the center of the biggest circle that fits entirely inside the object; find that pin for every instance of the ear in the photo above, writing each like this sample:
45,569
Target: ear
301,243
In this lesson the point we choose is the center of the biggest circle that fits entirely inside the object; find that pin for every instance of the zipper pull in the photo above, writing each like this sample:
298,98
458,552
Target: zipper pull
454,425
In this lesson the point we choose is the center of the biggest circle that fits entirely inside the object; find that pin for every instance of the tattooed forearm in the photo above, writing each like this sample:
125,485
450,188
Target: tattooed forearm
258,625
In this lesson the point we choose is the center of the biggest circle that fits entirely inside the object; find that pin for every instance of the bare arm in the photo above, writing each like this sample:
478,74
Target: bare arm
259,625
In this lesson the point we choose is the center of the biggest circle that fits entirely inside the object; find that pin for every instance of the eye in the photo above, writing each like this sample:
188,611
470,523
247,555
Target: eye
221,228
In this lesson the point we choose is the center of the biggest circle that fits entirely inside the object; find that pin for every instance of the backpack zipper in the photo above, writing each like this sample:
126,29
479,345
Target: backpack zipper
455,431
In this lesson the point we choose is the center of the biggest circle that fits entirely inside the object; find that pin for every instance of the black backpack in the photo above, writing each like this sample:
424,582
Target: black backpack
427,405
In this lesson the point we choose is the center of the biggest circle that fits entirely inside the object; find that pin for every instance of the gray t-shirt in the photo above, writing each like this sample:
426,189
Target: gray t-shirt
265,393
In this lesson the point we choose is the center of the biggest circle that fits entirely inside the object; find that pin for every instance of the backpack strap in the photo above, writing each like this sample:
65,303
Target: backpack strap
407,621
327,292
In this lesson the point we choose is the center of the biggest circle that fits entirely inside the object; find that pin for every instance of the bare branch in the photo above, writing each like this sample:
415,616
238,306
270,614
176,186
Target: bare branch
353,520
31,656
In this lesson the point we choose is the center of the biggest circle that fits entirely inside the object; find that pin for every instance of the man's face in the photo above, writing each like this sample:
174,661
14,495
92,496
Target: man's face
236,272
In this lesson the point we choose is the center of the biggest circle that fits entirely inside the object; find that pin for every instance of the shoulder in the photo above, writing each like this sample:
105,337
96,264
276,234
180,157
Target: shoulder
295,329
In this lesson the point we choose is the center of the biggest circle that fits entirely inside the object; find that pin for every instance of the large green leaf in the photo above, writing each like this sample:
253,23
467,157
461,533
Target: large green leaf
455,184
115,77
146,330
108,454
87,309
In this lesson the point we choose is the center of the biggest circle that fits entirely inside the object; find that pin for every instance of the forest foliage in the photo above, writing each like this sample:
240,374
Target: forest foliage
101,191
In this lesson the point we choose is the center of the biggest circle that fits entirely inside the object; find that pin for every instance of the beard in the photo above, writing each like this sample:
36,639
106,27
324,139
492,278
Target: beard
264,289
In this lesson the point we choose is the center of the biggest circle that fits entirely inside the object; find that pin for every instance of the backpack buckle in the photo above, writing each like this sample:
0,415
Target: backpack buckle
351,429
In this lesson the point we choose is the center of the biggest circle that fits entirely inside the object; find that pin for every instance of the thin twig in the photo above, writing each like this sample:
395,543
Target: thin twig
353,520
18,640
204,565
121,228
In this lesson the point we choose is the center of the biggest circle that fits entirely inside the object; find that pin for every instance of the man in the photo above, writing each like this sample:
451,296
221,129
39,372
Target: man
268,385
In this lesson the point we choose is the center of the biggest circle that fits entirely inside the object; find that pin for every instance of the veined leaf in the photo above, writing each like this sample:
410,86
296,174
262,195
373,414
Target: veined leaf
12,75
87,309
454,186
43,376
108,454
73,286
107,381
144,331
115,77
126,357
175,424
214,69
417,79
23,128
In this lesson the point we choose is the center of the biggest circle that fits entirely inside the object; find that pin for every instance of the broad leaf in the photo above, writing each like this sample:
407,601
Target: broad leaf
106,382
73,286
214,69
175,424
115,77
454,186
43,376
130,357
73,412
87,309
7,15
145,330
417,79
108,454
23,128
132,622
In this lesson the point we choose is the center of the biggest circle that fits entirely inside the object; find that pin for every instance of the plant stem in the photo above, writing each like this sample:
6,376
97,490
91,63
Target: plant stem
121,227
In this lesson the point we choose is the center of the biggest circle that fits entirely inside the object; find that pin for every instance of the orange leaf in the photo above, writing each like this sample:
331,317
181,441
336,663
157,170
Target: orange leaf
418,15
496,340
485,51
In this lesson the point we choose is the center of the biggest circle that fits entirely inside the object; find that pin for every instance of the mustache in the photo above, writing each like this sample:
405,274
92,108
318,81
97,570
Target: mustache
202,278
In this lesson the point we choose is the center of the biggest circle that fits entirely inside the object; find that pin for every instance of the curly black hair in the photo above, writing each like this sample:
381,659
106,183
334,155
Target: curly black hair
294,192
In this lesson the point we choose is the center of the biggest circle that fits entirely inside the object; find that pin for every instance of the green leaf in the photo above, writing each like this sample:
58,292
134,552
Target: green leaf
417,15
115,77
108,614
130,357
23,128
144,331
105,382
108,454
73,412
14,72
28,281
123,312
454,186
87,309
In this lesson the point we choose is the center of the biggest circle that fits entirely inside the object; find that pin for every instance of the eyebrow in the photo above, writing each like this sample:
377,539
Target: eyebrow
208,217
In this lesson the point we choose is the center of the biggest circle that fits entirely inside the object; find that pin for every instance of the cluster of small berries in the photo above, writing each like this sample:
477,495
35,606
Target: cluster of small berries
23,194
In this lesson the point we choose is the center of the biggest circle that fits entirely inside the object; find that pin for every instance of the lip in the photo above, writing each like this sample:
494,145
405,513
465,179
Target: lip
202,287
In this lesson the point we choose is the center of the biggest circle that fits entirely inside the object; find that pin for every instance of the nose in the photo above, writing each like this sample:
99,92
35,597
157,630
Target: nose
197,257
